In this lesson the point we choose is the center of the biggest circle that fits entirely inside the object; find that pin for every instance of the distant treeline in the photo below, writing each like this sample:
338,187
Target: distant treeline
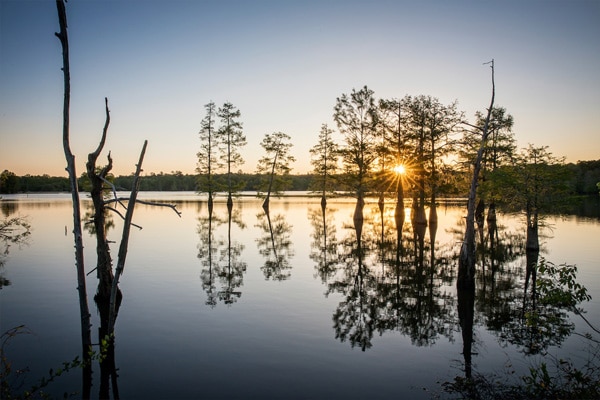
585,175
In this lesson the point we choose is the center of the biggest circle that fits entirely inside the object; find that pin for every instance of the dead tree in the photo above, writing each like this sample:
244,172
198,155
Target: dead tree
125,241
97,178
466,260
86,338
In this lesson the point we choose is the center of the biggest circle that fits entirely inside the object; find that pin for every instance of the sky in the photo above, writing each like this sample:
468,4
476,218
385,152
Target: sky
283,64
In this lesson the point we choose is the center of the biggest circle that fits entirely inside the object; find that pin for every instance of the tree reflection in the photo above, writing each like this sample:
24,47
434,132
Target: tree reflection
324,245
535,323
355,317
423,303
221,258
13,231
466,315
275,245
388,281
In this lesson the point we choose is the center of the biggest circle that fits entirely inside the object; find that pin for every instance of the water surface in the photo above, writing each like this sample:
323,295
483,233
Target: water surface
295,304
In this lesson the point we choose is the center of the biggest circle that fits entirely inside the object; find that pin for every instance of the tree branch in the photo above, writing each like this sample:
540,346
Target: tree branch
121,215
125,241
171,206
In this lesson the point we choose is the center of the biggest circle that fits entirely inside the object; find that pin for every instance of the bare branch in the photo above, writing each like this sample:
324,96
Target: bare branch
125,241
122,216
171,206
86,338
114,190
471,125
96,153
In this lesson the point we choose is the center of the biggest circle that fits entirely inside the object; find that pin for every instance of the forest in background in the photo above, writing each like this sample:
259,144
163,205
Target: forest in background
584,175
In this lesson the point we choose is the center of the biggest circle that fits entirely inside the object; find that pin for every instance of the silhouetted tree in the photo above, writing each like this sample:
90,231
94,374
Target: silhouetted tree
356,118
324,159
208,156
231,137
86,337
275,164
466,260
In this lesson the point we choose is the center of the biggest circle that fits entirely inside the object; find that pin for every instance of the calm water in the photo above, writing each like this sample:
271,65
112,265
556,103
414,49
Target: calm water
287,306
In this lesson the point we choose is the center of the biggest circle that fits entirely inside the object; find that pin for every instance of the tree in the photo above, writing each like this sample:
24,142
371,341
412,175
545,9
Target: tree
230,136
393,122
499,151
429,125
208,161
86,337
97,178
536,184
356,118
275,164
441,122
466,259
9,182
324,159
108,285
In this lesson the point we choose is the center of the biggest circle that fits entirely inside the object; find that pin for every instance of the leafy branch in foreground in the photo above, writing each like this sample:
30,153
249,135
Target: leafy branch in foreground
558,380
12,380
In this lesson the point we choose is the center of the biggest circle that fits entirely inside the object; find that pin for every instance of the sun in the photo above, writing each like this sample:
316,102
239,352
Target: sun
400,169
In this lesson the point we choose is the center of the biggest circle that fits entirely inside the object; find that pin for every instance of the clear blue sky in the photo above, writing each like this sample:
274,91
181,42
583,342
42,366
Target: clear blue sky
283,63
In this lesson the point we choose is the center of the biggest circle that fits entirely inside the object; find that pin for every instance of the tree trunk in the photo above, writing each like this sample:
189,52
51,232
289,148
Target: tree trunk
125,241
266,202
229,202
86,337
433,217
210,201
466,259
532,241
104,260
466,313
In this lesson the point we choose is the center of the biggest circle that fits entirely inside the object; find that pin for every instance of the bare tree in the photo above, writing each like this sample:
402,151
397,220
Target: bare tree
86,337
466,260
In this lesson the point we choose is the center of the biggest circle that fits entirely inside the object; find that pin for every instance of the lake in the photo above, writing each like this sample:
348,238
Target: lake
293,305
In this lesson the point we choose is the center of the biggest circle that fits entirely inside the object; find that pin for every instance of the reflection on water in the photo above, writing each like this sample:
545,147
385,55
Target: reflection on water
341,301
221,258
275,245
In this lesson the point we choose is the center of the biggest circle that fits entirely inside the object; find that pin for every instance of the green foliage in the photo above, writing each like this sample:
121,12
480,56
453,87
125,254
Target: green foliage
557,285
11,381
9,182
585,176
274,166
537,182
563,381
13,231
357,119
567,382
324,159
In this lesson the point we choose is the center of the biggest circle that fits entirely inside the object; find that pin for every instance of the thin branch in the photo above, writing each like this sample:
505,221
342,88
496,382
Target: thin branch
114,190
171,206
94,155
149,203
576,311
479,128
121,215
